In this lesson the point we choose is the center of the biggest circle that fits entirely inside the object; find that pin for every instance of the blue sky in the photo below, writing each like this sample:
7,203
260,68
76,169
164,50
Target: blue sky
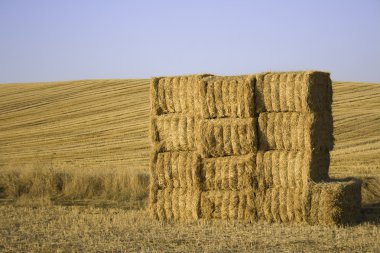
51,40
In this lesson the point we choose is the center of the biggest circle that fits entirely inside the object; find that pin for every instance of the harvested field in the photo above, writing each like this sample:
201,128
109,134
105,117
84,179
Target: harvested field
98,126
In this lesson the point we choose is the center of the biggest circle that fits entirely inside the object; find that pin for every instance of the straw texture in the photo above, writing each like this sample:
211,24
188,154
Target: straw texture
231,97
280,168
335,203
279,204
228,205
224,137
173,132
178,94
308,91
176,170
296,131
229,173
176,205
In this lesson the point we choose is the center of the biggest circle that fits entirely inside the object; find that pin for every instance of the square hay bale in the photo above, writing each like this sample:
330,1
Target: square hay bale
296,131
230,96
225,137
335,202
282,168
175,204
176,170
281,204
173,132
228,205
229,173
308,91
177,94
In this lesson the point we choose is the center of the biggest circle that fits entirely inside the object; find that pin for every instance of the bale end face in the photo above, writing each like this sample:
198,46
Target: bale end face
335,203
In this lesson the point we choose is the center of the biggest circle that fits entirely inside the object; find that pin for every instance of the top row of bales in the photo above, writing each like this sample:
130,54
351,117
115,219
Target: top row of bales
209,96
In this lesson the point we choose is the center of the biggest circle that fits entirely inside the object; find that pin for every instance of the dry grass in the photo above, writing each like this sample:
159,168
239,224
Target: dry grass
86,229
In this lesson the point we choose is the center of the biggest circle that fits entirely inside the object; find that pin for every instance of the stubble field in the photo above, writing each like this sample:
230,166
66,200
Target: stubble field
74,160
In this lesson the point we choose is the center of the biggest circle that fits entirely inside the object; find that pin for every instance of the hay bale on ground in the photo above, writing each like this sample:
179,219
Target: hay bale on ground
177,94
334,203
308,91
231,96
296,131
228,205
173,132
224,137
176,205
176,170
229,173
282,168
280,204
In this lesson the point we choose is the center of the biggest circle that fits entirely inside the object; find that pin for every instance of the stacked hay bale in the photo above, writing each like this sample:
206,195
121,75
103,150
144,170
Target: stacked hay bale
227,142
246,147
295,129
175,163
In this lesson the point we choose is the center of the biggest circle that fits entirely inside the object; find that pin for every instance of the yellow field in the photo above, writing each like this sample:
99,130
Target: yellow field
88,140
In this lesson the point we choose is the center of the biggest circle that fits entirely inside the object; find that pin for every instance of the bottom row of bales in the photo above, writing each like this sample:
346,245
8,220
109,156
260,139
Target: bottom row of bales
328,203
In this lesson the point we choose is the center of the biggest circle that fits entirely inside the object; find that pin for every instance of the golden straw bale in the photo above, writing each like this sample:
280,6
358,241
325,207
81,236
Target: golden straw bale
231,96
223,137
290,168
177,94
176,170
176,205
281,204
229,173
308,91
334,203
228,205
173,132
296,131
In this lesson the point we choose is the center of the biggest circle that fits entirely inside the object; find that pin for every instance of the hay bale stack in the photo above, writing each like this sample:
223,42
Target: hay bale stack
175,166
296,131
227,141
308,91
227,97
227,136
334,203
246,147
291,169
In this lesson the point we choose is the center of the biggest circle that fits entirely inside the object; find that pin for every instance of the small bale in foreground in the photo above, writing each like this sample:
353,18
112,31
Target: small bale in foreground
335,203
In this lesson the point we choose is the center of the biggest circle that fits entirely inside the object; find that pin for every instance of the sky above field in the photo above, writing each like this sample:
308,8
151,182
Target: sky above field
49,40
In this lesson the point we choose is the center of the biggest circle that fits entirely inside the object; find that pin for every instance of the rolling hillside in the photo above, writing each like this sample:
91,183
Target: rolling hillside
103,124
